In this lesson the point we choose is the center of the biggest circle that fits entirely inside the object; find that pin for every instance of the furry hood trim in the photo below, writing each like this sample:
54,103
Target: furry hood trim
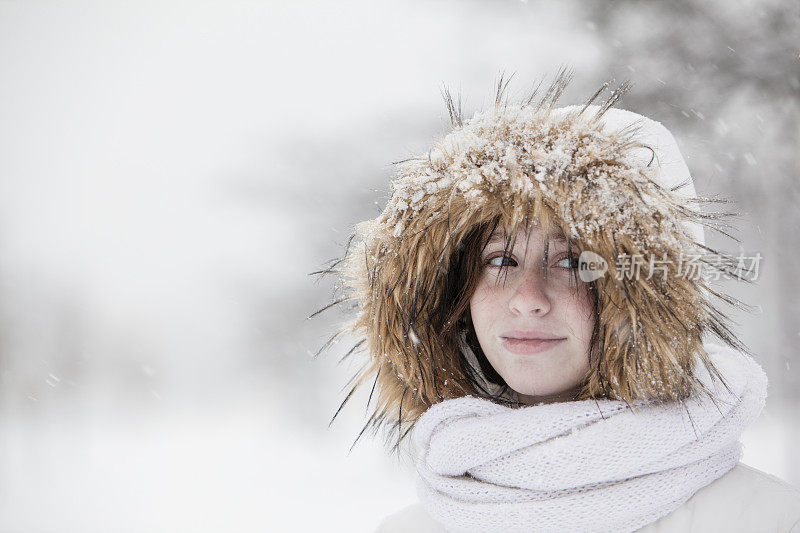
613,181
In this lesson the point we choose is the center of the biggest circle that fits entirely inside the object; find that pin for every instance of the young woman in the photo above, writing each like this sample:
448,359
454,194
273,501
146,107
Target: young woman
536,302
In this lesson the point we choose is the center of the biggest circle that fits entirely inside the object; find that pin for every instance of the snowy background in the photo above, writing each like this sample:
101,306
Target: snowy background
171,172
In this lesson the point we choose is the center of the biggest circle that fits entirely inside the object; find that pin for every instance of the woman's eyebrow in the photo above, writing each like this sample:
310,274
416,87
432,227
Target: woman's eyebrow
556,237
497,237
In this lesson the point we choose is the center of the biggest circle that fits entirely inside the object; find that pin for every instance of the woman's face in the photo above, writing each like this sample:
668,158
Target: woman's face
533,323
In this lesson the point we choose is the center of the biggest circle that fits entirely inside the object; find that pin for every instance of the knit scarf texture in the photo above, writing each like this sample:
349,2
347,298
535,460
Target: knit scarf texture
592,465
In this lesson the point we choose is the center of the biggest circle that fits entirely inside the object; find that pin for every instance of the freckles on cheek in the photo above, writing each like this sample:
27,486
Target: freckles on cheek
477,302
480,294
483,296
485,307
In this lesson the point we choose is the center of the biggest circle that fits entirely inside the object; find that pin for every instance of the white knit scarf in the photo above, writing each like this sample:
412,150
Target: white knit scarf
582,466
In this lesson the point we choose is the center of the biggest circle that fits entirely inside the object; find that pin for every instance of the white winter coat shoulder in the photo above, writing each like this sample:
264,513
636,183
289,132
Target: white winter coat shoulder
743,500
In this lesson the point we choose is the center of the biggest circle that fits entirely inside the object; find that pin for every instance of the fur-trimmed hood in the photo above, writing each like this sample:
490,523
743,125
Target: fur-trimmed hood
612,180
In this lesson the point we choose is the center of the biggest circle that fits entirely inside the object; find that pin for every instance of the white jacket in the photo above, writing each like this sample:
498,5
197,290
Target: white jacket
744,500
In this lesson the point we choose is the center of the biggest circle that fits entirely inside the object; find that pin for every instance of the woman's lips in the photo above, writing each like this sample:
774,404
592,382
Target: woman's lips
528,346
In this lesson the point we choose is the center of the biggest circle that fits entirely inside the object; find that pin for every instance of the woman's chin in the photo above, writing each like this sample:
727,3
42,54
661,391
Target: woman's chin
535,392
531,394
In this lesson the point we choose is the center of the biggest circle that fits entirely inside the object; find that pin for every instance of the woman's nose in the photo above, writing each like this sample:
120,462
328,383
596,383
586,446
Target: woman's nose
529,296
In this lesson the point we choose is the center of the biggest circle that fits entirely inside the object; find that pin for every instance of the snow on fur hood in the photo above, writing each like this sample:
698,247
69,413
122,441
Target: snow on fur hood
612,180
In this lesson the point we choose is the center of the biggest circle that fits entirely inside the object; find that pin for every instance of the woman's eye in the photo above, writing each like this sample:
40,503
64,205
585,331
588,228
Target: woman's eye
568,262
501,260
